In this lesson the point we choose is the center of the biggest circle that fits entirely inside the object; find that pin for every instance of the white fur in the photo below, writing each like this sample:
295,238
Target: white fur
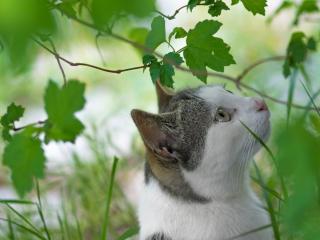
222,176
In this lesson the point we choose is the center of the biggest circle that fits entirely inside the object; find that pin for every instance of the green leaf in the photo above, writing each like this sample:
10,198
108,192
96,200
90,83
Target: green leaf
192,4
105,10
216,8
67,9
307,6
283,6
147,59
14,113
178,32
25,157
139,35
312,44
255,6
296,52
61,104
155,71
166,74
203,50
157,35
173,58
234,2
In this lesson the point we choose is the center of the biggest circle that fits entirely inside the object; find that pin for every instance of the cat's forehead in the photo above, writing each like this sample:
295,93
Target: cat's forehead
209,95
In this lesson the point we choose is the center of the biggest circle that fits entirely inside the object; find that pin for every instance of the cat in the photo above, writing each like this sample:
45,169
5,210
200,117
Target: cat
197,166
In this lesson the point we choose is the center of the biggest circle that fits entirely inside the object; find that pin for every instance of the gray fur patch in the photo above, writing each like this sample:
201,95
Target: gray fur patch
159,236
190,127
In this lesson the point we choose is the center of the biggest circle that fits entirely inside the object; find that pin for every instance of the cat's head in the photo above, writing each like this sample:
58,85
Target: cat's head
198,138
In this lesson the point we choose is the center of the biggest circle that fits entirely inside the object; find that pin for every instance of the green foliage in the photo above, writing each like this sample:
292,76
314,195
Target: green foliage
217,7
307,6
25,157
255,6
203,50
163,70
299,163
104,10
13,114
61,104
157,34
178,32
299,46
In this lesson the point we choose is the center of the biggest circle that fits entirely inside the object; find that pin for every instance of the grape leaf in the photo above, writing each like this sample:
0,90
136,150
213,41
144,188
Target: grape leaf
14,113
255,6
167,70
203,50
178,32
163,70
216,8
61,104
173,58
25,157
297,51
192,4
157,34
154,70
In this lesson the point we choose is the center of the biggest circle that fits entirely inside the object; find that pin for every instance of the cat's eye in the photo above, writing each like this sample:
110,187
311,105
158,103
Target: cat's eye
222,115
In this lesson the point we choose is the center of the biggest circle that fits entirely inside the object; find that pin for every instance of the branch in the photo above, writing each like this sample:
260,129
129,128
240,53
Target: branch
173,16
58,61
254,65
86,64
213,74
16,129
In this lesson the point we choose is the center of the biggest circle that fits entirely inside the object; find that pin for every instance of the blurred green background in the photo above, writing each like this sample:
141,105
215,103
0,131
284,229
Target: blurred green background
77,175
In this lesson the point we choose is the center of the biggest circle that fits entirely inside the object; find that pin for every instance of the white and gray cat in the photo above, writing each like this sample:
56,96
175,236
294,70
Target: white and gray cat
196,172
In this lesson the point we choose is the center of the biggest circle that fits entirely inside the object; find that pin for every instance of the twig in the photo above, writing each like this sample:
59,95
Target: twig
86,64
170,17
213,74
16,129
58,61
254,65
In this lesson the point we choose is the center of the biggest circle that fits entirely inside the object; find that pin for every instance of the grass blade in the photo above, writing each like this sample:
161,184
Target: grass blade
61,226
311,98
270,191
11,235
292,85
24,228
129,233
15,201
271,211
39,207
249,232
23,218
283,186
108,199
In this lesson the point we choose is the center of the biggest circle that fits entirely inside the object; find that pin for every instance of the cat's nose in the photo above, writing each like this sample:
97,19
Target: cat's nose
260,105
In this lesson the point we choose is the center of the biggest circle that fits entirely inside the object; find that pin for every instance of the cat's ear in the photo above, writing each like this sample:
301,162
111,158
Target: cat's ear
164,95
156,133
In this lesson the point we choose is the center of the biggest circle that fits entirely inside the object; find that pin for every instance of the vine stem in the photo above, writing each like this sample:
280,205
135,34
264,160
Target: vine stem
118,71
235,80
173,16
